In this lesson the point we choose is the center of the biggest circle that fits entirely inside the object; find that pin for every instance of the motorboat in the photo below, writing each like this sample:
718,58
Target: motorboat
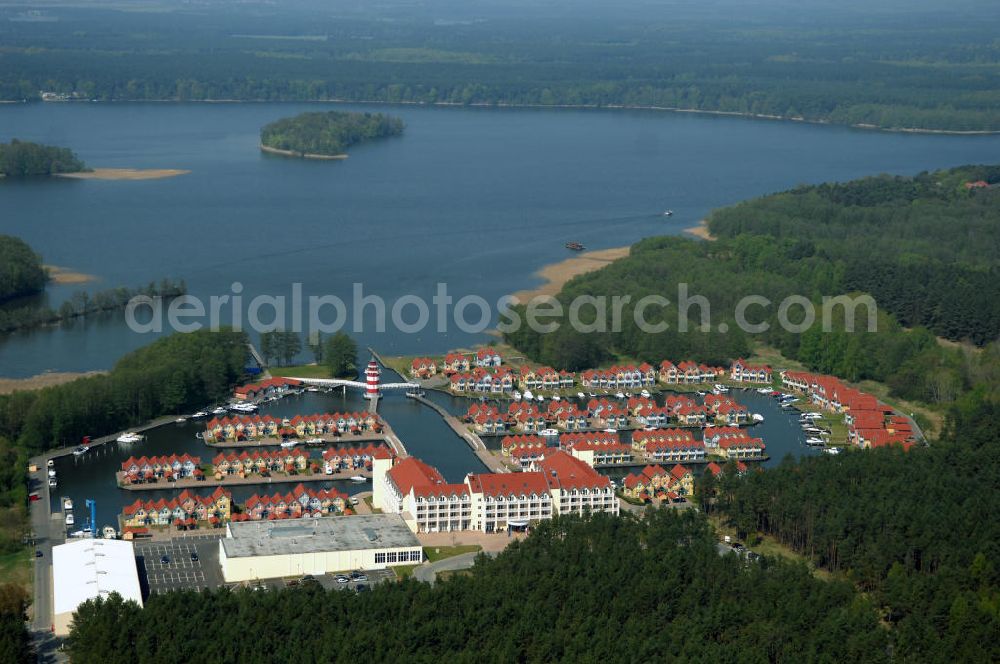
668,213
700,393
288,444
219,411
580,395
312,389
359,479
720,389
315,441
52,472
81,450
815,442
610,430
556,397
53,483
515,395
832,451
539,398
67,504
130,437
645,394
528,395
592,395
549,433
181,420
575,246
50,463
757,417
764,390
200,414
69,519
811,416
108,532
619,395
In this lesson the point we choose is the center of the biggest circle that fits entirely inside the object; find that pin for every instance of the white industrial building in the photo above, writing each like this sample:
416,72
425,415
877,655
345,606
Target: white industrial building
270,549
88,568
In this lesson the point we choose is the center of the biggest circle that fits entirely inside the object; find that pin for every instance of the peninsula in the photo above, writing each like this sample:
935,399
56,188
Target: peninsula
325,135
23,159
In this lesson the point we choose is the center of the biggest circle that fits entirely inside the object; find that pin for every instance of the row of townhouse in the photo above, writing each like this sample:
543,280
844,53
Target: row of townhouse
510,443
567,416
544,378
255,427
482,381
272,387
668,445
145,469
526,417
870,423
558,483
454,362
340,459
742,371
689,373
608,413
654,480
686,411
717,471
726,410
733,442
486,418
619,377
423,367
186,508
297,503
259,462
599,448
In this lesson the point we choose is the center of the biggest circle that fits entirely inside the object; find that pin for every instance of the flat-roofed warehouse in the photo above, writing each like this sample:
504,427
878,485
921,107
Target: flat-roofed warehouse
271,549
89,568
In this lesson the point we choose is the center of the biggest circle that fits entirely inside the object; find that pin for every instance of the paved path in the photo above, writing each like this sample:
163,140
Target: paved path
471,438
234,480
49,531
428,571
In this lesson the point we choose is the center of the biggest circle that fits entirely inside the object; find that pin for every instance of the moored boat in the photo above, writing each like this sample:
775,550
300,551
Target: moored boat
359,479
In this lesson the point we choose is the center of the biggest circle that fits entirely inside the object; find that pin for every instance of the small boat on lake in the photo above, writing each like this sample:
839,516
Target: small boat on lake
575,246
130,437
80,451
549,433
757,417
668,213
315,441
359,479
288,444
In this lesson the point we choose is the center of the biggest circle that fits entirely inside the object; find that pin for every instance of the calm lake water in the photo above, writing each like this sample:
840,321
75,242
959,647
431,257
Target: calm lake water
478,199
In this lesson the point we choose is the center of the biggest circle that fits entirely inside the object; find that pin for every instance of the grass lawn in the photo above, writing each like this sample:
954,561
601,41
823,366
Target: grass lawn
17,567
302,371
436,553
368,501
403,571
768,546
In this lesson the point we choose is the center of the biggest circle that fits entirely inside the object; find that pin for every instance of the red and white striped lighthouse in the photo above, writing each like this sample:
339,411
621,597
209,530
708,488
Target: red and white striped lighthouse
372,373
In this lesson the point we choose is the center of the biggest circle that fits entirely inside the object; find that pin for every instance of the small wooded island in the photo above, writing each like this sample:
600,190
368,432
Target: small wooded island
22,159
325,135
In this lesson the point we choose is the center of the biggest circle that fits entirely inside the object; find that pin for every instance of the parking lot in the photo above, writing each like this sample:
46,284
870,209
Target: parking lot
180,572
327,581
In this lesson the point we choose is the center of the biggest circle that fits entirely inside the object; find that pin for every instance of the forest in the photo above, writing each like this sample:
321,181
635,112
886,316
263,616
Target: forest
179,373
23,158
925,247
906,67
618,589
82,304
21,270
329,133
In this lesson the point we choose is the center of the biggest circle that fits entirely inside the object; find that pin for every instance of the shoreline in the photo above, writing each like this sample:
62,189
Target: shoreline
701,231
556,275
614,107
43,380
301,155
124,174
65,275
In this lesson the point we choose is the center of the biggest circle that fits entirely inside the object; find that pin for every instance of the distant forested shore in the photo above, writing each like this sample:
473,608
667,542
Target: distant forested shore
326,135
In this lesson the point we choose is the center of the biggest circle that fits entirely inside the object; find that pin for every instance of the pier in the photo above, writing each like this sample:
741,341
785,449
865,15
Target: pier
471,439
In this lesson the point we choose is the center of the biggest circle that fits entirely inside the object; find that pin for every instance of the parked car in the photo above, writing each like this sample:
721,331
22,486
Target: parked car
194,556
358,576
342,579
38,553
164,560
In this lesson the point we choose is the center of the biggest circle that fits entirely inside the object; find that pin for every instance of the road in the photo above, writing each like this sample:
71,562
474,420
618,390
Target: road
428,571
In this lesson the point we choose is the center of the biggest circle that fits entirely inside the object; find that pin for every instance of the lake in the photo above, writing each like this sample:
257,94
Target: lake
475,198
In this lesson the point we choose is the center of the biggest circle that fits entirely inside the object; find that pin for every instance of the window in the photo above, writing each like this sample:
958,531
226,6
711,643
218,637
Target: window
379,558
391,557
416,556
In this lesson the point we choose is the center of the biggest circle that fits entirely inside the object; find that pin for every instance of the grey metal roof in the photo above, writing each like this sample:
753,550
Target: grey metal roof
336,533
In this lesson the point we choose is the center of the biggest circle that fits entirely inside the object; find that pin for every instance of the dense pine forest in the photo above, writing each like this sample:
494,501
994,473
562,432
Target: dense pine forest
927,67
617,589
23,158
21,271
925,247
330,133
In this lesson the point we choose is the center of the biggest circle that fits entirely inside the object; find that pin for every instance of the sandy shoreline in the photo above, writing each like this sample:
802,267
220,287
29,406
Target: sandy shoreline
301,155
65,275
557,274
9,385
125,174
700,231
